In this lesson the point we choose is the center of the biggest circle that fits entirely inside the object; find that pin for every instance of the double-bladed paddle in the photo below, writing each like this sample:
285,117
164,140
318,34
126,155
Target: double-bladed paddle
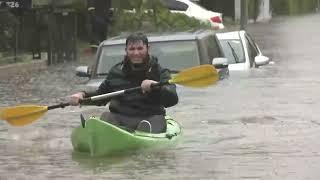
197,77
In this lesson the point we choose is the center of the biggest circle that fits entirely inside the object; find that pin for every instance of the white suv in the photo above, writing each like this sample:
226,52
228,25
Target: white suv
192,9
241,50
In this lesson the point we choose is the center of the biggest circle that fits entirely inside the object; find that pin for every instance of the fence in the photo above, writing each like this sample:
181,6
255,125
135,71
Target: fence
27,34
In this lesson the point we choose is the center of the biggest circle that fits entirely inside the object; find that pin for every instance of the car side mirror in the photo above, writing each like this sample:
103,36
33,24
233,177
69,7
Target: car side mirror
261,60
94,48
83,71
220,62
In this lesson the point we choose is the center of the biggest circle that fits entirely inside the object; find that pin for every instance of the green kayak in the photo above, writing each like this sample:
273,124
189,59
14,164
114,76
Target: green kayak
99,138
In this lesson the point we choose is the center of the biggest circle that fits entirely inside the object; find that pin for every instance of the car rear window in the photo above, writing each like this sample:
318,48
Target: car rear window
174,55
175,5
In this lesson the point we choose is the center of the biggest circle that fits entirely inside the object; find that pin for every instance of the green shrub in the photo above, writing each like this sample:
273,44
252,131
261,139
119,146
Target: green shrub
291,7
151,16
8,24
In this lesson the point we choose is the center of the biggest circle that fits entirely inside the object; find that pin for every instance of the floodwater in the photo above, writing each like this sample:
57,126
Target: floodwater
256,125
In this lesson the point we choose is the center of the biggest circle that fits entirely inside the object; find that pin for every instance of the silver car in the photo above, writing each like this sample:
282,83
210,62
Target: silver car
175,51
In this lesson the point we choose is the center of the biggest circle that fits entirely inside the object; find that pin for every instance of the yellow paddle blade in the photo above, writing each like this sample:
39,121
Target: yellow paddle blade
23,114
199,76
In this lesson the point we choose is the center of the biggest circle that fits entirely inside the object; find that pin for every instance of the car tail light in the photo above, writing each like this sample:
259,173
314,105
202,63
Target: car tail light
216,19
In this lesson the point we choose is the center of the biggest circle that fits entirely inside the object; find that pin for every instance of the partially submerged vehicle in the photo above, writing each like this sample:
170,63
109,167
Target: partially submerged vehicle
175,51
241,50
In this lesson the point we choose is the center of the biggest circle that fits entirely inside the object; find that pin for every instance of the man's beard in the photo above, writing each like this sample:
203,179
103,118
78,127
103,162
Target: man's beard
139,66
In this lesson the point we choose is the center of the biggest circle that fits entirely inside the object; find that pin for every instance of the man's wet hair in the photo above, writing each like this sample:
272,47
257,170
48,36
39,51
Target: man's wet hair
137,37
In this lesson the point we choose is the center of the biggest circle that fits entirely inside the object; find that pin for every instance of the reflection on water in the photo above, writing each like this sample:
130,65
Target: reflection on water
260,124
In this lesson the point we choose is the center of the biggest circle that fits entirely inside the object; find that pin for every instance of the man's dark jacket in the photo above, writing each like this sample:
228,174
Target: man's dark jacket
122,77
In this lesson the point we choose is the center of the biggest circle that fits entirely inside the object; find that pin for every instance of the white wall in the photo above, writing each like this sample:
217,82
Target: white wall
237,10
264,15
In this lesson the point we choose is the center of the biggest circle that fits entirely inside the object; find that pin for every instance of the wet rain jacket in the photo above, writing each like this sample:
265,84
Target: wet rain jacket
122,77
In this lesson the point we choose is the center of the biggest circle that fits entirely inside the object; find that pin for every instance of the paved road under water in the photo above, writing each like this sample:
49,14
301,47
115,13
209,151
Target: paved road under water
261,124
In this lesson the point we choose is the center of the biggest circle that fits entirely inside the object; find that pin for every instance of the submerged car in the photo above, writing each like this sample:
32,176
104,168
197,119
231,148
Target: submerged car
241,50
192,9
175,51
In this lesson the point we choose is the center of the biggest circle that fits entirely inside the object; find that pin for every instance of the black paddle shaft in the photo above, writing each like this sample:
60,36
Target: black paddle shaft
61,105
118,93
108,95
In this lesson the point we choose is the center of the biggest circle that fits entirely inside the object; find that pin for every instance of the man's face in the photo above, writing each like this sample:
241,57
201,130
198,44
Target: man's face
137,51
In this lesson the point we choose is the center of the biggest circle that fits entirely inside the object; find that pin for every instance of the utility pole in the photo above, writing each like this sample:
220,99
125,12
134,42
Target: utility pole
244,15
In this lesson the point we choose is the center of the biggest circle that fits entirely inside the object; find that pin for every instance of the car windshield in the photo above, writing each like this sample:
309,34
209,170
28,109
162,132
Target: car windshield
233,50
174,55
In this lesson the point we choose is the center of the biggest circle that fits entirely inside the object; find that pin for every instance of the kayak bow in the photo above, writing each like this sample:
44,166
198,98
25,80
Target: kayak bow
100,138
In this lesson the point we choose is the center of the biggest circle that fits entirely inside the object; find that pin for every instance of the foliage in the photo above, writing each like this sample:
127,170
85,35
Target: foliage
151,16
8,23
80,5
291,7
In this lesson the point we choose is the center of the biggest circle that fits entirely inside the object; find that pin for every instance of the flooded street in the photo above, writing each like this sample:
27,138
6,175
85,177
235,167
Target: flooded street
256,125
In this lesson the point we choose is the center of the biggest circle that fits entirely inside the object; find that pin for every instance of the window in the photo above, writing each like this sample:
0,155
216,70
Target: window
213,49
176,55
253,44
110,56
175,5
233,50
252,51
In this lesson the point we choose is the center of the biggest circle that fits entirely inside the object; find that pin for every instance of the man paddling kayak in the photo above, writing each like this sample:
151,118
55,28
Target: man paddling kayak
143,110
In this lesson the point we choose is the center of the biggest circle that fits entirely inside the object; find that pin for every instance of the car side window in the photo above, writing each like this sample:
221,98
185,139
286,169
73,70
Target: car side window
254,45
213,48
252,51
175,5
